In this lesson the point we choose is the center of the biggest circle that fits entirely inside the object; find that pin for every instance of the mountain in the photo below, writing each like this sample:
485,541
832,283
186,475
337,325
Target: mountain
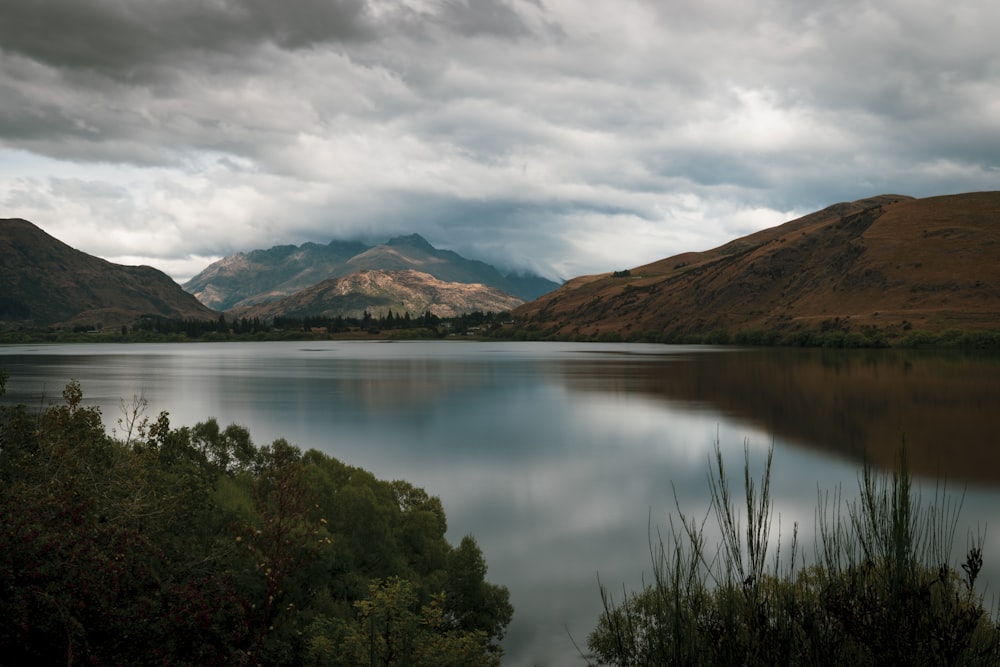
378,291
48,283
890,262
247,279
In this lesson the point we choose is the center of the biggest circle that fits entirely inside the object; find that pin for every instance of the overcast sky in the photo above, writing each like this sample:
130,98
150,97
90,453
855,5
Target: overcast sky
564,136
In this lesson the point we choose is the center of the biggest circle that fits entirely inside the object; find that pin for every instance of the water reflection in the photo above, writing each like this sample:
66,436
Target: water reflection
558,457
945,406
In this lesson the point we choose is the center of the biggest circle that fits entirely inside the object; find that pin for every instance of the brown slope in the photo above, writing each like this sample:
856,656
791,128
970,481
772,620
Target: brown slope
47,283
887,261
379,291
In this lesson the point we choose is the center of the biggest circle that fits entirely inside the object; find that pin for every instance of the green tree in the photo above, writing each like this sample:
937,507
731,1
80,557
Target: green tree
471,602
282,541
82,570
392,628
420,532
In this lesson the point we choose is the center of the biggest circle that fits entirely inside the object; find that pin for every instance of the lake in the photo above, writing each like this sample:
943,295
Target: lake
559,457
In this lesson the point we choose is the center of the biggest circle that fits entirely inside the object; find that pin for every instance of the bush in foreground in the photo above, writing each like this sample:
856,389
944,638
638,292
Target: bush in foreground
882,589
193,546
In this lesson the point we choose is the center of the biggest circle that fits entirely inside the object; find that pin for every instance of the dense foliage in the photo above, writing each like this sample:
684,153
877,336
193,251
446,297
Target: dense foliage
882,589
833,333
150,328
193,546
836,332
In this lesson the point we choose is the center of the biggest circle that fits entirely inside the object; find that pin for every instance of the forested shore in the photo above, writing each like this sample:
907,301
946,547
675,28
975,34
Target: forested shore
193,546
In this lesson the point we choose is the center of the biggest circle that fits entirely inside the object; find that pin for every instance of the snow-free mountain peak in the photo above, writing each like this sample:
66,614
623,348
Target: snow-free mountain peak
259,276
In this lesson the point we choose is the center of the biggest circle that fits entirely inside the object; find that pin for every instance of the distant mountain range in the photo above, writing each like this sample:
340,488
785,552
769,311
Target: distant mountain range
889,262
44,282
379,292
237,282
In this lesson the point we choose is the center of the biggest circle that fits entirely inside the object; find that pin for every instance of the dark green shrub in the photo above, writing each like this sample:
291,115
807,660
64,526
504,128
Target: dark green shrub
718,337
800,339
855,339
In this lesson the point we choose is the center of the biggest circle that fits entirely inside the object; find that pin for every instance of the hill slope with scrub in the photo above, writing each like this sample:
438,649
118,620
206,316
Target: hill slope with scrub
886,264
48,283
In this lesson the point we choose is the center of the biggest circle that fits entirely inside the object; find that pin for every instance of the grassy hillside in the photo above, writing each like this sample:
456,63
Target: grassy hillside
48,283
887,263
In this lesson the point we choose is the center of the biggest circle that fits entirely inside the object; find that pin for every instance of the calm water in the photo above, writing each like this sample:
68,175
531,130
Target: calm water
557,457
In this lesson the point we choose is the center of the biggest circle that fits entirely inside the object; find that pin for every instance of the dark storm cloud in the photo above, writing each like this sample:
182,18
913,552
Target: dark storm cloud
577,135
132,82
122,38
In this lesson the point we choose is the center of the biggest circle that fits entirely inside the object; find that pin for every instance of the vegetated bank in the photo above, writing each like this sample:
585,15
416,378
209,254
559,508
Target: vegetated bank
883,589
193,546
835,333
151,329
832,334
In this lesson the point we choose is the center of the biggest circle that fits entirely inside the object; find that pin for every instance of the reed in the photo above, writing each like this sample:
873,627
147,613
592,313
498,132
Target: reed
880,589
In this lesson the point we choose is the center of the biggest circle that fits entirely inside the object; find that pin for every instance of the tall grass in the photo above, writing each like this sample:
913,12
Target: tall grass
880,589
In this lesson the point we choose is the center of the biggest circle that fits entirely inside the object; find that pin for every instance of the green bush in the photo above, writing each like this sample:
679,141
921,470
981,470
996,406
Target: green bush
882,590
193,546
718,337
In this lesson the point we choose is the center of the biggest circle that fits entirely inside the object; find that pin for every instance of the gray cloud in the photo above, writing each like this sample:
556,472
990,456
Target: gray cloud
122,39
483,17
570,137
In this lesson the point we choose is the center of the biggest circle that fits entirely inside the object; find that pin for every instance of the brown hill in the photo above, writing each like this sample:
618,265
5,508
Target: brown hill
378,292
47,283
889,262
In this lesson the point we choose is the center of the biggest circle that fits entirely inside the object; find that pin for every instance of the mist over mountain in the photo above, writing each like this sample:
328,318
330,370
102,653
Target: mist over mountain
891,263
47,283
243,280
